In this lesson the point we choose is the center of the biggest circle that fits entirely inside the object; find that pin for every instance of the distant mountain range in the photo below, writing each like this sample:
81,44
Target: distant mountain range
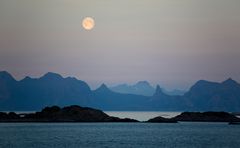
143,88
53,89
140,88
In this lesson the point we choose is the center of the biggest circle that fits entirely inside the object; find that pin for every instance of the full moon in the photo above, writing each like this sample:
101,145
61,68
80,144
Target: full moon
88,23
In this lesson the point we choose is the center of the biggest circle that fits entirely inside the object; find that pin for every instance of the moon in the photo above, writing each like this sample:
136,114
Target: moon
88,23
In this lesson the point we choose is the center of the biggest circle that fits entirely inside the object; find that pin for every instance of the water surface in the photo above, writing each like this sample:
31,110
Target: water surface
141,115
118,135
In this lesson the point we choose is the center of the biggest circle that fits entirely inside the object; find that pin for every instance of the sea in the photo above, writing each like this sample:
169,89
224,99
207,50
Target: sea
142,115
120,135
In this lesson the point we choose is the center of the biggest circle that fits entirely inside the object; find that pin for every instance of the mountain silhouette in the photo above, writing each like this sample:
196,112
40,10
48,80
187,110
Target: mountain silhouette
166,102
53,89
103,89
140,88
205,95
109,100
32,94
143,88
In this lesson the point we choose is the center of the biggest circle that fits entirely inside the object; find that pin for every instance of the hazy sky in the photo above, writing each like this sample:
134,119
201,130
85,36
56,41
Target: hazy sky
170,42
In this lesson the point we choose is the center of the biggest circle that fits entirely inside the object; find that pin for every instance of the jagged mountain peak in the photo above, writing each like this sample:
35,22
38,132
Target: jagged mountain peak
27,78
158,91
158,88
230,81
103,88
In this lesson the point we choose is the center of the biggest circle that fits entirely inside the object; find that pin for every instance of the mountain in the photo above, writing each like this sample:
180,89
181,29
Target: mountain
34,94
143,88
107,99
7,85
140,88
52,89
165,102
205,95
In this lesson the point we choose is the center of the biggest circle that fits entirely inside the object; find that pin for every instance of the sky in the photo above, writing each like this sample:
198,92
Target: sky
172,43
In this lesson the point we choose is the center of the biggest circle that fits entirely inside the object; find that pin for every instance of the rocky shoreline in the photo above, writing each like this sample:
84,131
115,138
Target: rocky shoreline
76,113
72,113
199,117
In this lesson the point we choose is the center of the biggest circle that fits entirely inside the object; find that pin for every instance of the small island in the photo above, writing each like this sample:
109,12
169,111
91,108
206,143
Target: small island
72,113
160,119
77,113
199,117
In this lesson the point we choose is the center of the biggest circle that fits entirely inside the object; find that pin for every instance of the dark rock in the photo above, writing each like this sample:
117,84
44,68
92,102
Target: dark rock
234,123
116,119
8,116
3,115
12,115
207,117
160,119
72,113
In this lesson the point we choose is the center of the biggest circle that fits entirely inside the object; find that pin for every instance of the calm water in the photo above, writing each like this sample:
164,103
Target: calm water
141,115
118,135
